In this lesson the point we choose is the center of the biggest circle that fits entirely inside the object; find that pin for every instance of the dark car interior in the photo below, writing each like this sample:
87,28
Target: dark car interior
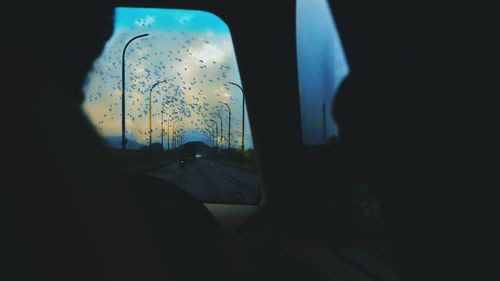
326,212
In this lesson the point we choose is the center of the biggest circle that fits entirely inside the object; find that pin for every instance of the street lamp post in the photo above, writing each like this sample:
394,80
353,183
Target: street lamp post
221,127
124,139
212,129
168,130
210,137
162,129
229,126
173,133
178,140
216,132
242,118
179,136
150,113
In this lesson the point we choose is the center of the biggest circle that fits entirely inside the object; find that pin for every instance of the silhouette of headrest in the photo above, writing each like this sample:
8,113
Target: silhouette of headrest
357,108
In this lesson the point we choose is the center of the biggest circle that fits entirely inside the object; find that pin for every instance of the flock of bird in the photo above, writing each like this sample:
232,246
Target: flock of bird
193,71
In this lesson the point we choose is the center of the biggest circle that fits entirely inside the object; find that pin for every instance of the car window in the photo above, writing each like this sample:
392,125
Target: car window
183,116
322,66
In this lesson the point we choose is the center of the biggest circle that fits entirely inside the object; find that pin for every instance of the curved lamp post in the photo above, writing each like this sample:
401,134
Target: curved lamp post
124,139
176,135
212,129
210,137
168,129
242,117
179,136
221,127
216,131
229,126
162,129
150,113
173,133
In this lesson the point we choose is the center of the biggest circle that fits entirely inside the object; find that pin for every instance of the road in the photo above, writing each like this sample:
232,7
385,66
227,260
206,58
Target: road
212,181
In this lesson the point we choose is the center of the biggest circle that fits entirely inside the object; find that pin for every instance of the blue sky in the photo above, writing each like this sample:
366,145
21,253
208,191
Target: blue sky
169,19
192,51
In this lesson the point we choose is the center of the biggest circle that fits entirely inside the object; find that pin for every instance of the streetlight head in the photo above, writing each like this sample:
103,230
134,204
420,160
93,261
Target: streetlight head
140,36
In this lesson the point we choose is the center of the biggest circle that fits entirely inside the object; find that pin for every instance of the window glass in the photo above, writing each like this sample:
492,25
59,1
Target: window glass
322,66
184,108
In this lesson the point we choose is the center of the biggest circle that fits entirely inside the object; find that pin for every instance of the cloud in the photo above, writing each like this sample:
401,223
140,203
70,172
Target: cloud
184,18
145,22
197,67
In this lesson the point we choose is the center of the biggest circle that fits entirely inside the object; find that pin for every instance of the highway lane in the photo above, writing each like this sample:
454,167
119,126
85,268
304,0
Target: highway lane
212,181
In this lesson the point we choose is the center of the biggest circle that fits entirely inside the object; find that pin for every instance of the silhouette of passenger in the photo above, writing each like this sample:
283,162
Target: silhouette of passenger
353,111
